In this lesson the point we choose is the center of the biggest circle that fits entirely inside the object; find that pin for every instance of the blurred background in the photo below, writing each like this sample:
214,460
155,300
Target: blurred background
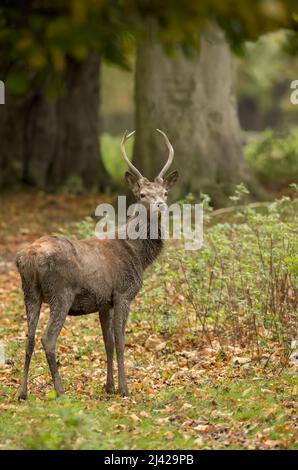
215,76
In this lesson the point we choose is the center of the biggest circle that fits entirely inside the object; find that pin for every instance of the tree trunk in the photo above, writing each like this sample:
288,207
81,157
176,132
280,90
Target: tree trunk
192,98
48,143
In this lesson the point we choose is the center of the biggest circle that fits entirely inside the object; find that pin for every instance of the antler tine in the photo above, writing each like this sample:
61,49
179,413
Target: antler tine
170,157
125,137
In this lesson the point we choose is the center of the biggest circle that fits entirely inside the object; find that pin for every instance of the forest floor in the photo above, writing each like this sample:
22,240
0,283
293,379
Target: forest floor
177,400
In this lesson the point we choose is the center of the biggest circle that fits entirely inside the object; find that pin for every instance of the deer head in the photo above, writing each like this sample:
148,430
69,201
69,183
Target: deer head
151,194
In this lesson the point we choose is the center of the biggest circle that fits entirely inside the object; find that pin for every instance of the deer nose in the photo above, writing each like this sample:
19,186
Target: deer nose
161,206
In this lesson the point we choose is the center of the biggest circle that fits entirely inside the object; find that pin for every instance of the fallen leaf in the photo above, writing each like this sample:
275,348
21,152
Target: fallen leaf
135,419
241,360
154,343
199,442
186,406
161,420
114,409
202,427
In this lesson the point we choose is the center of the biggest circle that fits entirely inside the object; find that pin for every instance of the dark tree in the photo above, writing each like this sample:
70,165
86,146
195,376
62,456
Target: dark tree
45,142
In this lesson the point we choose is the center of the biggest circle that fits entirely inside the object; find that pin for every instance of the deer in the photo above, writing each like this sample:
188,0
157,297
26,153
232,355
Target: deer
92,275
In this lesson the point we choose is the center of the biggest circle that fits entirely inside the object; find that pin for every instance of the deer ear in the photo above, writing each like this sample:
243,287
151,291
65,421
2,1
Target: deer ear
131,180
170,179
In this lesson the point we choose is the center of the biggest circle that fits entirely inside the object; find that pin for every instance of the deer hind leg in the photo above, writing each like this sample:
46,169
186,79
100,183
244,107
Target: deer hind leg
121,311
58,314
32,306
106,321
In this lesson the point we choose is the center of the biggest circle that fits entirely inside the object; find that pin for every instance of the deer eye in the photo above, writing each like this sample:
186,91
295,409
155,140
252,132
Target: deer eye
142,194
166,193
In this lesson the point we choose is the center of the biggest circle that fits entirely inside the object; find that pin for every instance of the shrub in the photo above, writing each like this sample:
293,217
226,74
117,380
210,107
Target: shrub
240,289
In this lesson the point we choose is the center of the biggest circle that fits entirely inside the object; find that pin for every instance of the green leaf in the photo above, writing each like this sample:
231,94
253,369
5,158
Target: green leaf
51,395
17,82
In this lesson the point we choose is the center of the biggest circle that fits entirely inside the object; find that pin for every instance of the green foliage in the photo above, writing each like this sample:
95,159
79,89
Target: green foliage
17,82
273,156
263,83
39,38
240,192
73,185
239,288
61,431
265,69
83,229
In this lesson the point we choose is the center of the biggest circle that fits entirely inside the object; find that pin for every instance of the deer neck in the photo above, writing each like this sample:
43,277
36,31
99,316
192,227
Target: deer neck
148,247
151,247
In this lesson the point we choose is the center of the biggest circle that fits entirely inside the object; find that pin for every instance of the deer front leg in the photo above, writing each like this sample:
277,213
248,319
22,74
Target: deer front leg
106,321
121,311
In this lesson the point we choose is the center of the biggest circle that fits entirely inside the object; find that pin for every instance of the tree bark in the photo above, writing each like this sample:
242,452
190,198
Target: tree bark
192,98
48,143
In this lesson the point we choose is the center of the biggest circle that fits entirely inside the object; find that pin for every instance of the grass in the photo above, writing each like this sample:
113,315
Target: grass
115,165
214,414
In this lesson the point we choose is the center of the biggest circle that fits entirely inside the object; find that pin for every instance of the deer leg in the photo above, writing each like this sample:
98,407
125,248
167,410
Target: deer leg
58,314
32,305
121,310
106,321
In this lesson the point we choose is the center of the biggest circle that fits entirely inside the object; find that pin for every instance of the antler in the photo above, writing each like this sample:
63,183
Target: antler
170,157
130,165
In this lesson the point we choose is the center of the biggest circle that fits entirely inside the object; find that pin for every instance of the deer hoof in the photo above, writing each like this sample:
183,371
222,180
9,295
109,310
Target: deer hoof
59,392
123,392
22,395
110,389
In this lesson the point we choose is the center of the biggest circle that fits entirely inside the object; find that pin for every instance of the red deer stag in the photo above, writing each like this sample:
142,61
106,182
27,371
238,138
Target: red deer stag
77,277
